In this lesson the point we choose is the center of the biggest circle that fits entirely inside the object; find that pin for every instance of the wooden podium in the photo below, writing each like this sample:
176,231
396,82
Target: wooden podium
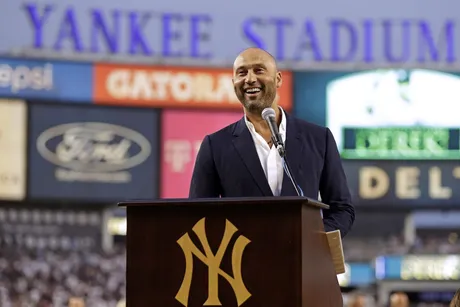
251,252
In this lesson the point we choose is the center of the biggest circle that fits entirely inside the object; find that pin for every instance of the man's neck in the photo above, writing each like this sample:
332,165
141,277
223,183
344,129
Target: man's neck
260,125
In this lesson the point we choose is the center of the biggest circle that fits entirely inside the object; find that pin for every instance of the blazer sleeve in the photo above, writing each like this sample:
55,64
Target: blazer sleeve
205,180
334,190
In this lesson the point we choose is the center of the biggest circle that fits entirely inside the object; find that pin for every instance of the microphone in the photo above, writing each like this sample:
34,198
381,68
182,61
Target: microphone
268,114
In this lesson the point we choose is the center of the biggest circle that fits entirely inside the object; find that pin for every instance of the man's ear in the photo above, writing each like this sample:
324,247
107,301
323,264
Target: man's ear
279,79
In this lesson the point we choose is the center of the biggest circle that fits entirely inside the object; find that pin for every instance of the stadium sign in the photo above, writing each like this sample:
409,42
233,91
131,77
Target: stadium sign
200,31
384,114
404,183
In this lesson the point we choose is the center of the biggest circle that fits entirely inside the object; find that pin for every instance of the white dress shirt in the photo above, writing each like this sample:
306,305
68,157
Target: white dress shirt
270,160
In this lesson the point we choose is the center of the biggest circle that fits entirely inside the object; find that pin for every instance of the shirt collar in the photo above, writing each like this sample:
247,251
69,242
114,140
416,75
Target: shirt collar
281,128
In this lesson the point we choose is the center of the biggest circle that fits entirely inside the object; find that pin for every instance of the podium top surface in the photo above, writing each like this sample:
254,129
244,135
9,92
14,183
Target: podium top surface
285,200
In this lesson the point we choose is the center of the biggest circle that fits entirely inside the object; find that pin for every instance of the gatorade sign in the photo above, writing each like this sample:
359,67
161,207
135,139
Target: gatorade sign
172,87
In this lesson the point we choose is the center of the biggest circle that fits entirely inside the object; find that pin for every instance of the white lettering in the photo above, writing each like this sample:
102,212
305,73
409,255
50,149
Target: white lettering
94,147
161,85
182,87
224,90
140,87
436,189
373,182
178,153
89,146
430,268
117,83
407,183
161,80
203,80
456,172
72,176
23,77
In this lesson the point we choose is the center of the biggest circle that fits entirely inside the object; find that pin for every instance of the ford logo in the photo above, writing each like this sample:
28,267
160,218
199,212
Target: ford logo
93,147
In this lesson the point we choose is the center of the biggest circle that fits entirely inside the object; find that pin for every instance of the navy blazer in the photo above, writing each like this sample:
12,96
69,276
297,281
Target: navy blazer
227,165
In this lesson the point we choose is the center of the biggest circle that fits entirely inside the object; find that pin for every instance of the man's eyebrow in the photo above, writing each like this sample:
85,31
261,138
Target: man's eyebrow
251,66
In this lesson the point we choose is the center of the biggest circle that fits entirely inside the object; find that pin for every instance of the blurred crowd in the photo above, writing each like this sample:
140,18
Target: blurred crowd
46,277
41,276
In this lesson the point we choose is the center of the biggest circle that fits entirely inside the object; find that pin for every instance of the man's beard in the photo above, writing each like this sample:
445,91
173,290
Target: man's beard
257,106
267,96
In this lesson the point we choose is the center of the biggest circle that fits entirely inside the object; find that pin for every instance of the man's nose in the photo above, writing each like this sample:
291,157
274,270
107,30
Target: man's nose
251,77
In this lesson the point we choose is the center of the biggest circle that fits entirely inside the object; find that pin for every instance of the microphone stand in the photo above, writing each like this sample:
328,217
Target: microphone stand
287,168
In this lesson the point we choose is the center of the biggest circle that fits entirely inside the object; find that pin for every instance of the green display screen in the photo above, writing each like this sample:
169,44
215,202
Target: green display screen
394,114
401,143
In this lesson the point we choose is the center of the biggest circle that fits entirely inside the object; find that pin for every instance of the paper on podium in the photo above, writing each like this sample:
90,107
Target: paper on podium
335,246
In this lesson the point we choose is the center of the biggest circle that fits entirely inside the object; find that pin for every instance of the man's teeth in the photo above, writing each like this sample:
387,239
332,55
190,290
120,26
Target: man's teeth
253,90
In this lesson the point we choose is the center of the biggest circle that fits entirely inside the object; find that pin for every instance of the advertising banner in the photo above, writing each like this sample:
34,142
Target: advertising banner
418,273
55,80
411,184
311,35
357,275
182,134
13,144
418,268
385,114
92,153
172,87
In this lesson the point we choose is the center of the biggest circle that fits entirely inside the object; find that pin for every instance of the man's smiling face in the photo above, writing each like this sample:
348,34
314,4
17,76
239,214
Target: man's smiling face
255,79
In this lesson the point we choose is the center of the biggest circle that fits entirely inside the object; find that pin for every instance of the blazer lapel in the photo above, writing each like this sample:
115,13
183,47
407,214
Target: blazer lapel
245,147
294,153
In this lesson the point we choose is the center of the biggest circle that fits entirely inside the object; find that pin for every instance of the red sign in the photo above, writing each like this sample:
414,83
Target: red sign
182,133
173,87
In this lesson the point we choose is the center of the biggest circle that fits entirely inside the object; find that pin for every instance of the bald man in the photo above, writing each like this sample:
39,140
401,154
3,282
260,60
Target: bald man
399,299
241,161
455,300
358,300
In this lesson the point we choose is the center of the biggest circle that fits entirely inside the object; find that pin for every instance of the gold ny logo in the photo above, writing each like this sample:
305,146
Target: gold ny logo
213,262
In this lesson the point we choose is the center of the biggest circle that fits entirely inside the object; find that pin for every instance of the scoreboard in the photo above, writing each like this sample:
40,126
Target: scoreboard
401,143
394,114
